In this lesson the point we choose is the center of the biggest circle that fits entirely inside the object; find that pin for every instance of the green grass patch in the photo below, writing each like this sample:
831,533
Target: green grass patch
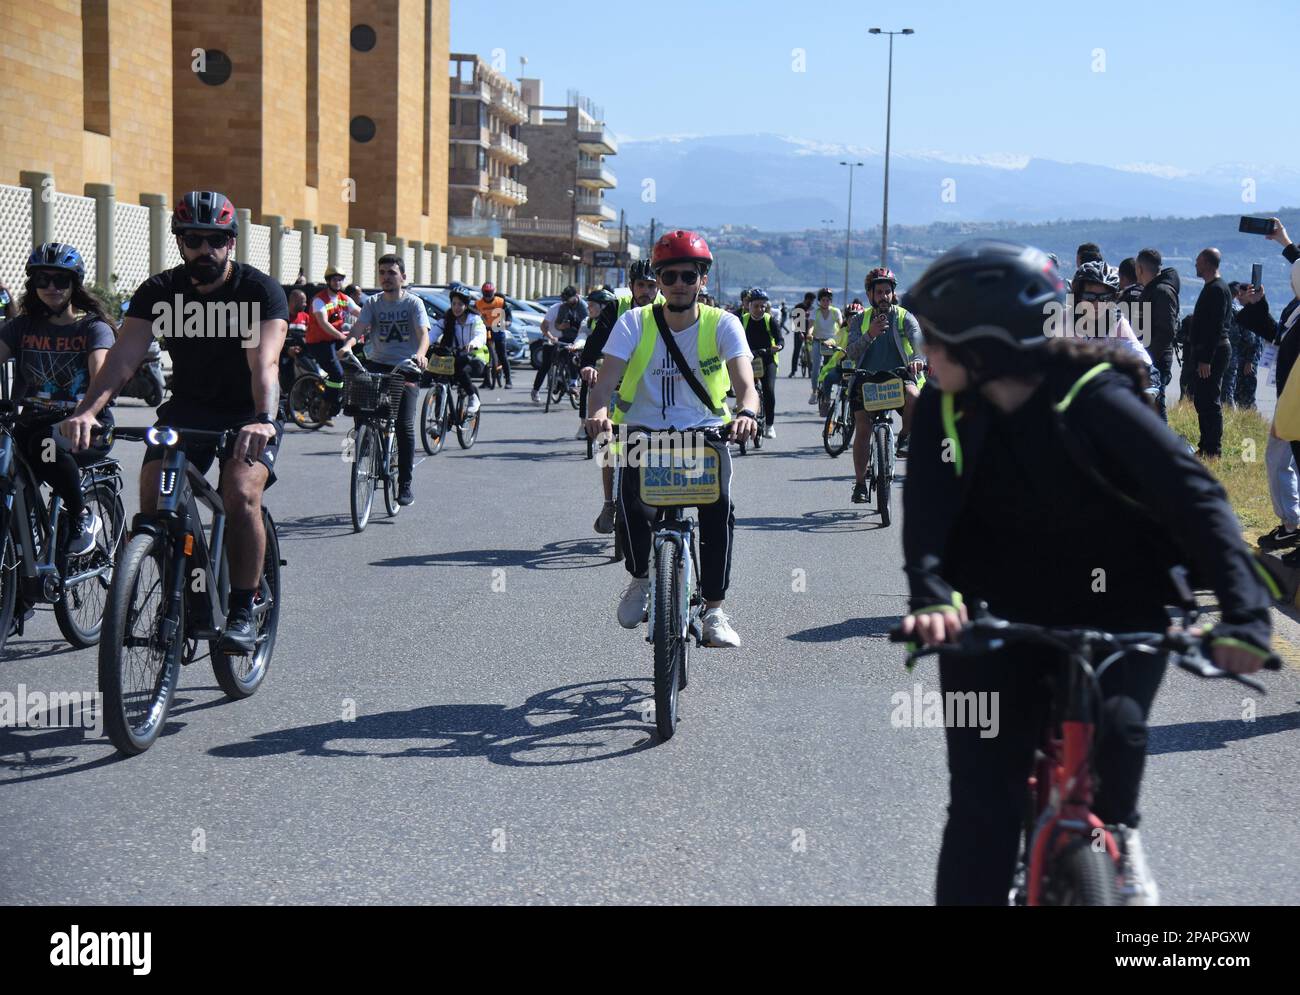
1241,470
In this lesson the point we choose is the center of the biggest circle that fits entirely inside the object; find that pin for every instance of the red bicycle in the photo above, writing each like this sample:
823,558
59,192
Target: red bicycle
1068,856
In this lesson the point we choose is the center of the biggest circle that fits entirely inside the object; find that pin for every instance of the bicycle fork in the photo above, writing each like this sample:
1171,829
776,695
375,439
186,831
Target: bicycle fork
681,538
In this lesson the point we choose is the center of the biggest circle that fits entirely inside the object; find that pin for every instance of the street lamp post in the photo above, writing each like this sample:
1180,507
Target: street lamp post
848,228
827,222
889,101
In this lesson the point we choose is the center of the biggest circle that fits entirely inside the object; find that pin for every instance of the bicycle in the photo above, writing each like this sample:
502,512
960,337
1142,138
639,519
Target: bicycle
171,590
35,567
440,411
882,393
374,400
306,405
759,366
1068,856
837,433
561,375
675,600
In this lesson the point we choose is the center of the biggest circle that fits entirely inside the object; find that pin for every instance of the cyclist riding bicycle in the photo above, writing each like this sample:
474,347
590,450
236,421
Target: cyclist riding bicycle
496,315
563,323
645,291
331,310
765,340
883,337
58,343
657,393
396,328
1042,482
463,332
224,379
823,324
831,374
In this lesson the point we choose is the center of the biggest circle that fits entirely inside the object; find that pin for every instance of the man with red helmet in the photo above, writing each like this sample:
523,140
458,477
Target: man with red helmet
495,312
658,394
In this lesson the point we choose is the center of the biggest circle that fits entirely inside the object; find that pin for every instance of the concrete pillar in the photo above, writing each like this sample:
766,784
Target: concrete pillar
275,222
43,190
358,237
380,240
244,240
331,233
306,248
436,268
530,280
105,199
475,267
417,275
399,248
462,265
157,204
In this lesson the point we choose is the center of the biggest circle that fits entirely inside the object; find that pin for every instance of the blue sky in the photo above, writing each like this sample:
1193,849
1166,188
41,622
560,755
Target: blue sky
1180,79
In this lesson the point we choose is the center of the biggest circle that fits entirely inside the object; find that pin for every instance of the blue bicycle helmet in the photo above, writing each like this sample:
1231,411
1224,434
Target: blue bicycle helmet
758,294
58,255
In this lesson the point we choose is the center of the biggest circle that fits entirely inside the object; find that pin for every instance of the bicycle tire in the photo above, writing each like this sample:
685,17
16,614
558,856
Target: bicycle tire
390,474
550,388
82,628
303,397
466,427
363,477
119,701
240,676
8,585
1082,876
669,642
433,432
884,488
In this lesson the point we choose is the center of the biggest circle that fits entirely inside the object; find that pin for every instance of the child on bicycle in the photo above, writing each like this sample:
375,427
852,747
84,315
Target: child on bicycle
1042,482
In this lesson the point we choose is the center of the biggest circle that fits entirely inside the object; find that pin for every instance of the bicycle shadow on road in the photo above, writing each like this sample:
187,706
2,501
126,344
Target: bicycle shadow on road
18,650
578,723
831,520
563,554
313,527
1194,737
850,628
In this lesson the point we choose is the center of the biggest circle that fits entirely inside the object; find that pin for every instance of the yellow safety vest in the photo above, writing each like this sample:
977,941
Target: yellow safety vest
712,372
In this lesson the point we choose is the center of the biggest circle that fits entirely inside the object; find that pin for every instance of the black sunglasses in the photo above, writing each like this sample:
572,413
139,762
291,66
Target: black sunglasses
216,239
668,277
61,281
1092,295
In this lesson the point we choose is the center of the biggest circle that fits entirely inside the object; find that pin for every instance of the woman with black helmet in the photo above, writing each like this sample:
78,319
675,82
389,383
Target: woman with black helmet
464,332
58,342
1042,482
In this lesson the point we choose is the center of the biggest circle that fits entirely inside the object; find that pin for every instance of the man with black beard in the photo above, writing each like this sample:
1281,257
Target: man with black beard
226,322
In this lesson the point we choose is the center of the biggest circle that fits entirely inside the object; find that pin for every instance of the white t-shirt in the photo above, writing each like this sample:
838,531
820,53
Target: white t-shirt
663,398
470,334
826,325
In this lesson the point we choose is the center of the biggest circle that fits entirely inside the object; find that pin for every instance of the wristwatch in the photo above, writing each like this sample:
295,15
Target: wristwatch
746,413
262,418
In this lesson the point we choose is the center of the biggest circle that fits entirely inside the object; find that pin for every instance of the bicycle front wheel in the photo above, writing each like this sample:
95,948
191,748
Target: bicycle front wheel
669,637
884,486
1082,876
466,425
432,431
389,461
8,584
364,472
306,402
241,676
80,609
138,670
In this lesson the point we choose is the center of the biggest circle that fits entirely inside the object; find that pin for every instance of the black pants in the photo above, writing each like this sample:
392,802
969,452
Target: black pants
469,369
987,776
796,355
499,346
549,352
1164,363
767,387
54,464
1209,407
326,353
717,528
406,413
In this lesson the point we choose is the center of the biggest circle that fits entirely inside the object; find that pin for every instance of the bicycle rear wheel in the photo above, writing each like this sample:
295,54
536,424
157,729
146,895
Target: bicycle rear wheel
884,487
80,609
138,672
1082,876
364,474
466,425
241,676
669,638
306,398
838,430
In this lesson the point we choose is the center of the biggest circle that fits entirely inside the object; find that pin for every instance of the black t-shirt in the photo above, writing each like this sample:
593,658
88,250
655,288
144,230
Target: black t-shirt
208,337
51,361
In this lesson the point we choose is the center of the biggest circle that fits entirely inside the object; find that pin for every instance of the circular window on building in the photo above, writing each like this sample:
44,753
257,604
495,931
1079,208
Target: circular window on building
363,37
362,128
214,66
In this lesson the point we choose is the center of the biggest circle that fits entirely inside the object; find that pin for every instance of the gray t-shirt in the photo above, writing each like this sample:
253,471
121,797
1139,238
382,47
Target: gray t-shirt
394,327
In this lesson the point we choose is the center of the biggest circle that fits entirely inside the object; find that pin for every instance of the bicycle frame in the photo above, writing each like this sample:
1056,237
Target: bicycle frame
679,530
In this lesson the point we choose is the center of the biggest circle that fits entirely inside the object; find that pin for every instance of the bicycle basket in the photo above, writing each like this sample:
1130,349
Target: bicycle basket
885,396
680,478
372,393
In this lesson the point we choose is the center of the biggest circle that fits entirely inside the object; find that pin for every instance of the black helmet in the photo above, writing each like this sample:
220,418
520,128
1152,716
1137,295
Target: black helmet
461,291
1095,271
205,210
990,302
640,270
601,296
58,255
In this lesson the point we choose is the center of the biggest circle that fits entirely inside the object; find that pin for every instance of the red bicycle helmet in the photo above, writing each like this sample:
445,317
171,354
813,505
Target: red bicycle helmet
881,274
489,291
205,210
681,247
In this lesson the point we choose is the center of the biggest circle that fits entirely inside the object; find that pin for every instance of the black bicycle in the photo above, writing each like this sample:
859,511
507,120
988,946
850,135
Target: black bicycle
374,400
882,393
837,432
35,567
442,410
171,591
759,365
562,375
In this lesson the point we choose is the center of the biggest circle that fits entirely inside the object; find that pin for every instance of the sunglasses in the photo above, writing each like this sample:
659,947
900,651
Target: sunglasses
216,239
60,281
668,277
1092,295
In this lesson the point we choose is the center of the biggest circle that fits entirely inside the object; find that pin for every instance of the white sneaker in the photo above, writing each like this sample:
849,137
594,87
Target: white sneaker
536,399
1137,886
717,629
473,405
582,432
769,432
634,606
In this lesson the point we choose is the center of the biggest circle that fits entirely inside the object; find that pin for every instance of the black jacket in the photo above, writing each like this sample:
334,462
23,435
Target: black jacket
1162,294
599,335
1013,515
1211,319
758,335
1256,318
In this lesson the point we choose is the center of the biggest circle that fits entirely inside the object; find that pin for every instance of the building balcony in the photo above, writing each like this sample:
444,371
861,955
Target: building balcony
472,179
587,236
510,191
510,149
596,140
471,134
475,90
509,106
595,207
595,176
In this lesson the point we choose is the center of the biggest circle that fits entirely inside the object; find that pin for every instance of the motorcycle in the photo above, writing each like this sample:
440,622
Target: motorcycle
147,382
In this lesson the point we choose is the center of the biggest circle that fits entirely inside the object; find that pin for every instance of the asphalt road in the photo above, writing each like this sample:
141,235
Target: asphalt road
500,750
